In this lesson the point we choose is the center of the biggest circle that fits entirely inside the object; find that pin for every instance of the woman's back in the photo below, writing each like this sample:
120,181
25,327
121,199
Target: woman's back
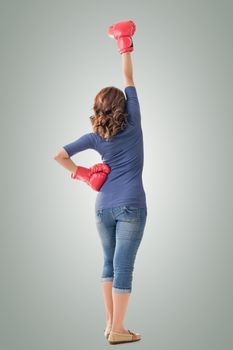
124,155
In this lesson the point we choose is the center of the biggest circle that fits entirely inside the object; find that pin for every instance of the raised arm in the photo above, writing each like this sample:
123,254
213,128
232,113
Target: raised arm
122,32
127,69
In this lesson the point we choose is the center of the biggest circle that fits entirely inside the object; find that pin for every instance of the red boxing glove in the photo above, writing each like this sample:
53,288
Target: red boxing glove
94,176
100,167
97,180
122,32
81,173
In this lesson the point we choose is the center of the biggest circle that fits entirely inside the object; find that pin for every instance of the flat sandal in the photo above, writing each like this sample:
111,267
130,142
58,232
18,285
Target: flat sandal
118,338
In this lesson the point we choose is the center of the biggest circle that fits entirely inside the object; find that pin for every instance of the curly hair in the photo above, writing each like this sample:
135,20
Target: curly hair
109,112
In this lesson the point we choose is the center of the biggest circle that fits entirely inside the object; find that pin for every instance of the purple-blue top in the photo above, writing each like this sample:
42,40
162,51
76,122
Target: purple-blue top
124,154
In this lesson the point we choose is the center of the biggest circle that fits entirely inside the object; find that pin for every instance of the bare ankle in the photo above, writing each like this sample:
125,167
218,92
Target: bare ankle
119,329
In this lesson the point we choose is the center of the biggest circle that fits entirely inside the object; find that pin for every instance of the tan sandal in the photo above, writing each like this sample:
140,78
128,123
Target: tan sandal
118,338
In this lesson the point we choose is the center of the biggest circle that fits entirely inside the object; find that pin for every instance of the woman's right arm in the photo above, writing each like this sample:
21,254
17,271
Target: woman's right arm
133,107
127,69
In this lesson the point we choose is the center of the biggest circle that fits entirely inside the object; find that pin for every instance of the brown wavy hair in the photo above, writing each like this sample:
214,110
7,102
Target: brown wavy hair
109,112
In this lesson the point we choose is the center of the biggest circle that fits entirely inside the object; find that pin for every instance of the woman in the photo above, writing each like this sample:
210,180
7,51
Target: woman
120,207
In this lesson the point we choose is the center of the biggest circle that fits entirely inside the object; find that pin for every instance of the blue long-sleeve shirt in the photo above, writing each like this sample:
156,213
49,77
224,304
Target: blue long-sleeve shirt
124,154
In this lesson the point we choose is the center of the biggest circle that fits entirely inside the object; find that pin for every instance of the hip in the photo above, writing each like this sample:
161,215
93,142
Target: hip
135,215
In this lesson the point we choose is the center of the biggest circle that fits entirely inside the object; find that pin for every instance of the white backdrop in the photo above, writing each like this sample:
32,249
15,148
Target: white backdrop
55,57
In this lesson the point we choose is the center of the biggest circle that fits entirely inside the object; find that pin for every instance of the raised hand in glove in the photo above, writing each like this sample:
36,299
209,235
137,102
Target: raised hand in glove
122,32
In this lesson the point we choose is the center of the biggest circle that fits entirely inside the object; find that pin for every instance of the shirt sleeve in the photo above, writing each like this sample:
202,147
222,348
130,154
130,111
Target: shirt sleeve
132,106
84,142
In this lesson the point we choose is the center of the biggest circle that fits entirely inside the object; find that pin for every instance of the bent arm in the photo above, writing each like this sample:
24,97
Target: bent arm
127,69
62,157
82,143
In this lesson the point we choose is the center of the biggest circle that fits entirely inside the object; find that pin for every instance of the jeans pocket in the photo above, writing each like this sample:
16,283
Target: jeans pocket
131,213
131,207
98,216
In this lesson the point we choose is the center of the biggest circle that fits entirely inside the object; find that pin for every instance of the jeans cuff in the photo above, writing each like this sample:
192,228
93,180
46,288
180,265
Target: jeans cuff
106,279
119,290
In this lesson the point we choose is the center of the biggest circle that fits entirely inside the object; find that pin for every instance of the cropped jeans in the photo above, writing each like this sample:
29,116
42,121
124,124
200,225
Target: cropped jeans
120,230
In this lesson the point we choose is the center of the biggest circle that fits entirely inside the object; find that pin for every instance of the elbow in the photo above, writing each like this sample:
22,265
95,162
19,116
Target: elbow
61,154
58,157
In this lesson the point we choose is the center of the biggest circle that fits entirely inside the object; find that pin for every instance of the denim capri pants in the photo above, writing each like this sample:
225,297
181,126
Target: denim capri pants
120,230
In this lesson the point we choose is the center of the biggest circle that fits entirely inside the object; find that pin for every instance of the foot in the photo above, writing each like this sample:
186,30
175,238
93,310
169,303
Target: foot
108,325
107,329
123,336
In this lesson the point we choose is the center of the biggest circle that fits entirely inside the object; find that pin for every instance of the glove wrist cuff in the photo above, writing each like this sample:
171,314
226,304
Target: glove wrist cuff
81,172
125,44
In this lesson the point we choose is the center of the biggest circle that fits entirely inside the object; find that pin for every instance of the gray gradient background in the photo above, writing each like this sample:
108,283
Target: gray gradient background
55,57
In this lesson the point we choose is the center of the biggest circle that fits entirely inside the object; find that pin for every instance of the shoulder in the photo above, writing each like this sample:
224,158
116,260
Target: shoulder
89,139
